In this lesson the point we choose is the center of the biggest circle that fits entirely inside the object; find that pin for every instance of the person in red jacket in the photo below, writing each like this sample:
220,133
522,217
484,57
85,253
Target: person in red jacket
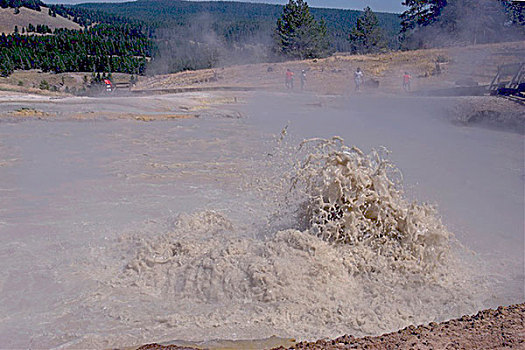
288,82
406,81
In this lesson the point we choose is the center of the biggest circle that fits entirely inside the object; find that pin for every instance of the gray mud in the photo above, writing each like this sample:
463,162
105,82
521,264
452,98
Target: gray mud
119,232
497,113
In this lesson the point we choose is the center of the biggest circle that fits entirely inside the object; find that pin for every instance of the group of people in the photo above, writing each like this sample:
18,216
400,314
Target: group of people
288,81
358,79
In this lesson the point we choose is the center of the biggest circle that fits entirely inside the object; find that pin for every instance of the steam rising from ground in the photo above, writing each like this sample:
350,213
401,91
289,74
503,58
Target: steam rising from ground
463,22
364,261
209,48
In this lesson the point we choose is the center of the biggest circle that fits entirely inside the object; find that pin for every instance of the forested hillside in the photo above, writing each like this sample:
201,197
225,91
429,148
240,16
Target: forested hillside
237,20
178,35
193,35
106,43
103,48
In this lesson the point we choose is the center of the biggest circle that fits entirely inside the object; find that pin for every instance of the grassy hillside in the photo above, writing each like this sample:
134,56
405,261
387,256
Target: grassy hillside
196,35
8,20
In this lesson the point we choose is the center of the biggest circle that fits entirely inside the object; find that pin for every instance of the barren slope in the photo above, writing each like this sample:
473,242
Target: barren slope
8,20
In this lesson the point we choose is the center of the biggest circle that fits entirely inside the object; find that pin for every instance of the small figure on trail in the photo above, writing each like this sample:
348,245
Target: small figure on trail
303,79
109,85
406,81
288,82
358,79
437,69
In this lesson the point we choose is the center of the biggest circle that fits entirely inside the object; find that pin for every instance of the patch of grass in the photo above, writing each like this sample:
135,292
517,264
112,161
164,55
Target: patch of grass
44,85
442,59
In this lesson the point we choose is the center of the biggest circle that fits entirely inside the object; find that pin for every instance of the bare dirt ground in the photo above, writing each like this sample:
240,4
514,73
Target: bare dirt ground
59,84
488,111
430,69
501,328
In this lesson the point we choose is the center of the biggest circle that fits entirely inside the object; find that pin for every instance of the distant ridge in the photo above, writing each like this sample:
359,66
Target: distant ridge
232,18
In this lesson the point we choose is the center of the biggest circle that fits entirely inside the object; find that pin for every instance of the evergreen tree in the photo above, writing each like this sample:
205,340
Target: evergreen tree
6,66
430,23
298,34
420,13
367,36
44,85
516,11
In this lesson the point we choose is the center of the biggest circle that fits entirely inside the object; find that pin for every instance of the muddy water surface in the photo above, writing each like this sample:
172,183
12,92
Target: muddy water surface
95,251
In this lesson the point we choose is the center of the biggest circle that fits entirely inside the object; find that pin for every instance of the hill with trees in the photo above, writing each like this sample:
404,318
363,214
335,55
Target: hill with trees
238,20
179,35
166,36
193,35
99,43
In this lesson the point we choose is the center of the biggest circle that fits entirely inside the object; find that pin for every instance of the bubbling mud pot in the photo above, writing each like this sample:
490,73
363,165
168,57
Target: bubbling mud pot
366,261
120,232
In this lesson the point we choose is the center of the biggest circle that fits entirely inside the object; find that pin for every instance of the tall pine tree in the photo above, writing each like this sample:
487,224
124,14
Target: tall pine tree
299,35
367,36
420,13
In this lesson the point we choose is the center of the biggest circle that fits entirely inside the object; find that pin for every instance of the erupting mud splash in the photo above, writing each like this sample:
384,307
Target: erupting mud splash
360,259
117,232
357,200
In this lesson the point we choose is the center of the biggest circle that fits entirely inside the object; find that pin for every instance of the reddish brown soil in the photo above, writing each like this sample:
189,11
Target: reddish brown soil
503,328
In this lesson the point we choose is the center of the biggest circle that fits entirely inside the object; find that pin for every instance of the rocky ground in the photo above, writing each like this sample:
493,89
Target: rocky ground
501,328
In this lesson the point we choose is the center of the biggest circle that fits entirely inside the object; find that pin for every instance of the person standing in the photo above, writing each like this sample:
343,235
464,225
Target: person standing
358,79
288,82
303,79
406,81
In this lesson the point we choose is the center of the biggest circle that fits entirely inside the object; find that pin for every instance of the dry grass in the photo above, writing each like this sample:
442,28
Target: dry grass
135,116
8,20
28,81
25,112
334,75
